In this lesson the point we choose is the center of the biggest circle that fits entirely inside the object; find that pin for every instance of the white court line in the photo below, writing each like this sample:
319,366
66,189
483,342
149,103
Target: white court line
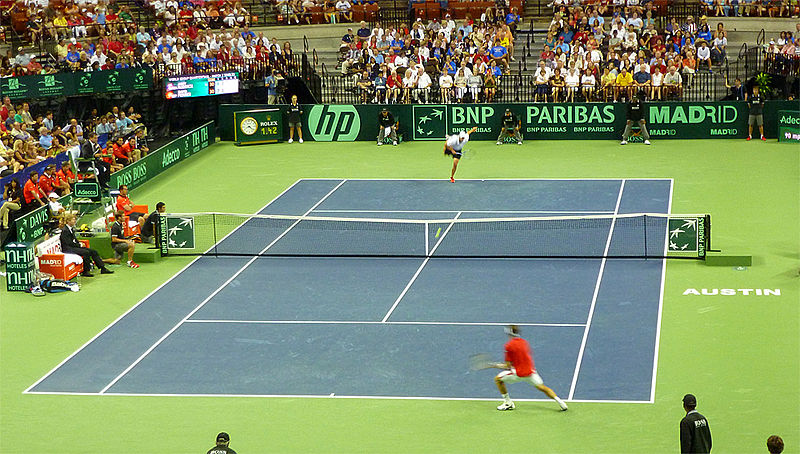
151,293
209,297
661,299
328,396
468,211
498,179
358,322
594,296
419,270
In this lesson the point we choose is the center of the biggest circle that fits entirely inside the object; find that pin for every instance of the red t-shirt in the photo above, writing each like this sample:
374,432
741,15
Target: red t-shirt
29,191
121,202
65,176
122,152
46,183
518,353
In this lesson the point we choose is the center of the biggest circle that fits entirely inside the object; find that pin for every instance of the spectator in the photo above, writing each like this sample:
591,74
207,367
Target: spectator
657,81
542,80
151,225
588,83
623,85
395,85
694,431
641,79
364,85
32,193
775,444
12,201
423,85
120,243
271,82
673,84
572,82
380,87
223,440
71,245
490,83
704,56
736,90
344,10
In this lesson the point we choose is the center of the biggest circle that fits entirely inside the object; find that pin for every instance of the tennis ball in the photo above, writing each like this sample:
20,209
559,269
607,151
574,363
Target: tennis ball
438,232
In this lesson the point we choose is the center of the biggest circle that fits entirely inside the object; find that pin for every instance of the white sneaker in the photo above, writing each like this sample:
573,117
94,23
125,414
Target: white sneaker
300,140
498,142
647,142
506,406
394,143
519,143
380,143
291,140
624,142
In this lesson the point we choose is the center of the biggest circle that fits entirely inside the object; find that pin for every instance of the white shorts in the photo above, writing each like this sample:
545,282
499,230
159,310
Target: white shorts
510,376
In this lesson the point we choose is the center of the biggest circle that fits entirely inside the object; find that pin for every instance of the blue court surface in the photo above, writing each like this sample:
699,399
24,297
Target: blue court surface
396,327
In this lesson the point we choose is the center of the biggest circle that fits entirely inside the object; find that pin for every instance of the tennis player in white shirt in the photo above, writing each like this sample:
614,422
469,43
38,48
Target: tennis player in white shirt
454,146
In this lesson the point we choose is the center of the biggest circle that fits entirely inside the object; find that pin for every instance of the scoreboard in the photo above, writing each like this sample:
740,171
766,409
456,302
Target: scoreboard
257,126
196,85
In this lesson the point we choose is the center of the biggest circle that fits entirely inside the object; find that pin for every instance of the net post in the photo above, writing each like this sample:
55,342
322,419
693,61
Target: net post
426,239
645,237
214,228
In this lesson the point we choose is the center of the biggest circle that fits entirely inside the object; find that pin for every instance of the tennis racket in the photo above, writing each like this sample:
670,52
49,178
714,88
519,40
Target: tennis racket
483,361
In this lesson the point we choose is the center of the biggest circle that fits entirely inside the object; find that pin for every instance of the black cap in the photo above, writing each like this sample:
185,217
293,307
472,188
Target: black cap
689,400
223,436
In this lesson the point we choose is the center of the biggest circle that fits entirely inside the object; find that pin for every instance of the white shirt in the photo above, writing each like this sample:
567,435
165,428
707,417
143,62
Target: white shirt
704,53
424,81
588,81
446,81
572,79
656,79
454,143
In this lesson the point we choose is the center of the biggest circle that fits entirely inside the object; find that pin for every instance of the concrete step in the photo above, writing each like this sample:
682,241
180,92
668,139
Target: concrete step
771,25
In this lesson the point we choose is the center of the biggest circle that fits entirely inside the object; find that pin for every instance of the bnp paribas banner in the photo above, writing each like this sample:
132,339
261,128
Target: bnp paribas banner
581,121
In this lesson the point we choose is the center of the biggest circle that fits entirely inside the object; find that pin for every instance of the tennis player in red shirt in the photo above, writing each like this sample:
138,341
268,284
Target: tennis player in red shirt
520,367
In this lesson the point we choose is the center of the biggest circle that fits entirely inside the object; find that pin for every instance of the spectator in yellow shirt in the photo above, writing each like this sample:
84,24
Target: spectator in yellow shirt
624,85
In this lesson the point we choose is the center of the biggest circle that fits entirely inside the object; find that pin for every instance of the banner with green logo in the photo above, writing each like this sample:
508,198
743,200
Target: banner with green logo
156,162
33,225
77,83
179,232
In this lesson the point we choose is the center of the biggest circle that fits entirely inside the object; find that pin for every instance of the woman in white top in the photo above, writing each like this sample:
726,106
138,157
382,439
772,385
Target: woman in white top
475,85
542,87
460,83
572,81
656,79
588,83
446,86
409,83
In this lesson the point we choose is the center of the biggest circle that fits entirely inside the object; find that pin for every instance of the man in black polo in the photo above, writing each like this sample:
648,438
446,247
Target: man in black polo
388,127
636,114
150,228
90,150
695,434
294,112
510,128
223,440
756,103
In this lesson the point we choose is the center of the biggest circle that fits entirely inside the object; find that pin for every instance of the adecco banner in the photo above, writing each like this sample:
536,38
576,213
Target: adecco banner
158,161
577,121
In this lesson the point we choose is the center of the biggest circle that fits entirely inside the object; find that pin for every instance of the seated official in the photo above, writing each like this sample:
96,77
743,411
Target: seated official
151,226
90,150
70,244
387,127
120,243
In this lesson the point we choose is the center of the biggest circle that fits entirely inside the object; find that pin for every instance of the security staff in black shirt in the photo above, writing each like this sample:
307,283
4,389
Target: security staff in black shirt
223,439
756,117
150,228
294,112
636,110
388,127
510,128
695,434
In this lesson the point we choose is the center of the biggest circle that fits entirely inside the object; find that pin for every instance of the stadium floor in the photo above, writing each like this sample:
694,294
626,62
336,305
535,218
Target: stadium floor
738,354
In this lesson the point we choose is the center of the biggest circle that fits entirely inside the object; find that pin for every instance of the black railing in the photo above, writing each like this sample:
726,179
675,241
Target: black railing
782,64
701,86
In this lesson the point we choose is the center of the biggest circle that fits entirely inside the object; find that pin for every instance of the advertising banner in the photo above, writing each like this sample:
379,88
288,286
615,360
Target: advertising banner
77,83
789,126
576,121
156,162
257,126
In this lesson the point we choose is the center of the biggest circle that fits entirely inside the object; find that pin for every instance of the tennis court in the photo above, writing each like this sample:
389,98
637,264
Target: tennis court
398,327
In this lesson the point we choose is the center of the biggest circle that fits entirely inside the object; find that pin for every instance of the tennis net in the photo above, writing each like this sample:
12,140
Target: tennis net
638,235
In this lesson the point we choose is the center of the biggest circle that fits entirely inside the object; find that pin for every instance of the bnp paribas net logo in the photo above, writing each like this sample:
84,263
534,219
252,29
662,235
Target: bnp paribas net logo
333,123
430,122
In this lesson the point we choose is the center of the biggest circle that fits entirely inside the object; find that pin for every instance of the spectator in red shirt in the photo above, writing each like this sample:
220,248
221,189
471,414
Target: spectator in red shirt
122,151
66,175
519,366
34,197
46,179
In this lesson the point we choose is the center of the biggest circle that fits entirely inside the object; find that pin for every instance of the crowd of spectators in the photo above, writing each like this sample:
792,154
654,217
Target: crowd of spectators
181,49
592,53
460,61
783,52
27,139
762,8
